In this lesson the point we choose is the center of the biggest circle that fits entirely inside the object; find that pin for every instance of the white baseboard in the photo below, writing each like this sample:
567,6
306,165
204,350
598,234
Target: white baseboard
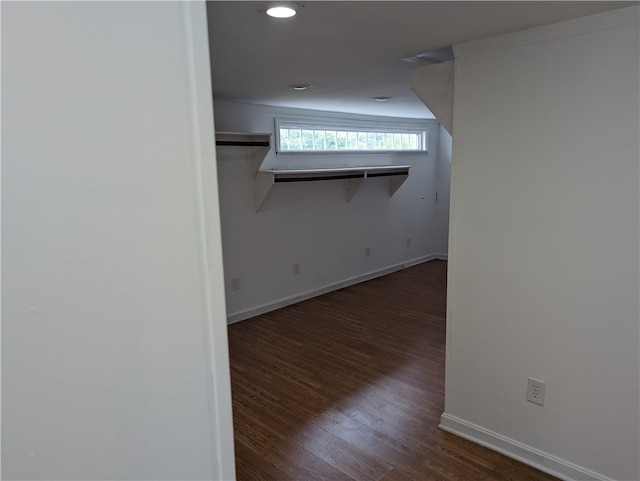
521,452
442,256
287,301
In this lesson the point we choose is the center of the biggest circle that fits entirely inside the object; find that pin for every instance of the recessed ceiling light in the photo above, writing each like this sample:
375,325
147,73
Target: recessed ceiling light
381,99
281,12
300,86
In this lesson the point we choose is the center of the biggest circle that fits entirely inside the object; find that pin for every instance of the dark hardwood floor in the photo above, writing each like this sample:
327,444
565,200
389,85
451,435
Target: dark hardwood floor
350,386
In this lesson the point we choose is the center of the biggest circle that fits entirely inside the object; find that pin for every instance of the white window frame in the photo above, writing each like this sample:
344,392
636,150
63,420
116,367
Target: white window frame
344,125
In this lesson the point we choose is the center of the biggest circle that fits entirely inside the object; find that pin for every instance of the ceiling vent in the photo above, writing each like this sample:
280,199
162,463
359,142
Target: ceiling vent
436,55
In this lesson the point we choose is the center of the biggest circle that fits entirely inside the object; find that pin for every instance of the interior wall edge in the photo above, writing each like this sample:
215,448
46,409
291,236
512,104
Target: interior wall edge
210,240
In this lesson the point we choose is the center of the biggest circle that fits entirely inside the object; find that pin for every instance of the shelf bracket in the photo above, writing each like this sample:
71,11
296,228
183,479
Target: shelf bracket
352,187
395,181
262,182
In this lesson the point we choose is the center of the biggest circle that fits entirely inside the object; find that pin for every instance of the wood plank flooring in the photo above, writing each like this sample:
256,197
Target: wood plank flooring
349,386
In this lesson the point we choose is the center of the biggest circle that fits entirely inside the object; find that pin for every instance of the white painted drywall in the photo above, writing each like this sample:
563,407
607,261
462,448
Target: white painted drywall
114,353
311,223
433,84
544,248
444,186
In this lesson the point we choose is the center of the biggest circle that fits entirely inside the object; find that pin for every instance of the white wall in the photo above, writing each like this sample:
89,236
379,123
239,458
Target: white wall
544,248
311,223
444,186
113,313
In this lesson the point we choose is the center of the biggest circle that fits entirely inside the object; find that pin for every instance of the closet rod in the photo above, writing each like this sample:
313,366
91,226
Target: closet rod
243,143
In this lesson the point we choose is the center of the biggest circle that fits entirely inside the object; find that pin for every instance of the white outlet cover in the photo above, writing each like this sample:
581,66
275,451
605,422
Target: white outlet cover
536,391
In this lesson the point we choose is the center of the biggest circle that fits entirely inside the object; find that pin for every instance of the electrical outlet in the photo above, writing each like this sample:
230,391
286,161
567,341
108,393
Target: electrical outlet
408,241
367,251
535,391
235,283
296,268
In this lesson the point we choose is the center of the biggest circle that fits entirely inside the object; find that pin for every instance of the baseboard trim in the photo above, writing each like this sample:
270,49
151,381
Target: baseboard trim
303,296
442,256
511,448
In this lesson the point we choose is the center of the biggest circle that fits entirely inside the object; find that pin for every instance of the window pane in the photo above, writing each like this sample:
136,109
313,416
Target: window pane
388,141
397,141
342,140
307,139
362,140
371,141
353,140
284,139
318,140
379,141
295,139
331,140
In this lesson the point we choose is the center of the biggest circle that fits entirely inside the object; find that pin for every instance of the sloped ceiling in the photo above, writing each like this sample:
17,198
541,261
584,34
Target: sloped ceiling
353,51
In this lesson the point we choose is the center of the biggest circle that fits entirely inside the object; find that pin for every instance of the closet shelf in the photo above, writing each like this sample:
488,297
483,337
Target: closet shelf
325,173
264,179
239,139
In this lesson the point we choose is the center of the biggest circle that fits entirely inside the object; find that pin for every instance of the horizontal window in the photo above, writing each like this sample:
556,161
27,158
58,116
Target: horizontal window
306,138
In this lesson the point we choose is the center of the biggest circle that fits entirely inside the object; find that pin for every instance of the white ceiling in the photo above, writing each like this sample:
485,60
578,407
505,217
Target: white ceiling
351,51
